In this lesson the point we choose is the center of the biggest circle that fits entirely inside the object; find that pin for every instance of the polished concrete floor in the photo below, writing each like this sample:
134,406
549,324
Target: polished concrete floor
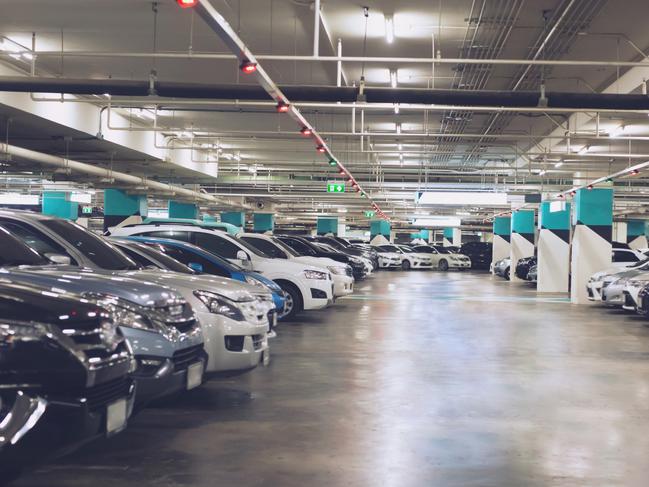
420,379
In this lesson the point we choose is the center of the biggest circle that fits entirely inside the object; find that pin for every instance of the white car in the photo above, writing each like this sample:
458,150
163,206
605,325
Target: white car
443,258
307,287
623,260
369,267
411,259
390,257
275,248
632,287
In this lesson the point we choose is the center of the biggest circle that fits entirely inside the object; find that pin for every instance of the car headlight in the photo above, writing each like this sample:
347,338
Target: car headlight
337,270
315,275
254,282
220,305
131,318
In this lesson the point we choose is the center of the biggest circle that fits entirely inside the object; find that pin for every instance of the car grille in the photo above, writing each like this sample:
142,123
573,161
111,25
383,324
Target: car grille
628,300
257,341
349,271
184,358
102,395
102,345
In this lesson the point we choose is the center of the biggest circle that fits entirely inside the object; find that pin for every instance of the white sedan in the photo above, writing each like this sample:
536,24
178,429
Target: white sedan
443,258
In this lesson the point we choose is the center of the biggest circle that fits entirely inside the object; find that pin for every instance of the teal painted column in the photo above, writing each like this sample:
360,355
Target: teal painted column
209,218
119,205
424,234
636,233
327,225
236,218
521,239
591,240
57,203
178,209
502,238
380,227
263,222
553,262
447,241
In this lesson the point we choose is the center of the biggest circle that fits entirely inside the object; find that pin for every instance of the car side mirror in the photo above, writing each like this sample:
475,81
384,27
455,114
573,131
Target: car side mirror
59,259
196,267
242,256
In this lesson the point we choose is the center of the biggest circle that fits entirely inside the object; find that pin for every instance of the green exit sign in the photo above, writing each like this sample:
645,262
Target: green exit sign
369,214
86,210
335,187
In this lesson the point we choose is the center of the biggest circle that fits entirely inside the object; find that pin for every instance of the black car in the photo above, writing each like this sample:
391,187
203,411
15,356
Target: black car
64,375
355,250
306,248
523,267
479,253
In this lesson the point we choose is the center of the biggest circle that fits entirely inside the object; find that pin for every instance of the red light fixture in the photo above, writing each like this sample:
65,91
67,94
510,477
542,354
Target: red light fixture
187,3
635,172
573,193
589,187
321,149
342,172
561,196
306,131
247,67
282,107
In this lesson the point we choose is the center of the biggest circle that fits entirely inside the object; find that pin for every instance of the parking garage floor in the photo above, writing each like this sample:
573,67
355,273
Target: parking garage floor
419,379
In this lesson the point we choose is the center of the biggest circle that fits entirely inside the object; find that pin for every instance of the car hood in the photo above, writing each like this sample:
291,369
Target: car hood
286,266
319,261
615,272
81,281
420,255
390,254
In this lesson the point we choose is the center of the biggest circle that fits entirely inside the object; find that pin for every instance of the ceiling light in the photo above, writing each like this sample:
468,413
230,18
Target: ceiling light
321,149
398,128
573,193
462,198
282,107
342,172
333,162
389,29
306,131
542,172
583,150
187,3
393,78
247,67
437,221
400,147
635,172
589,187
617,131
396,109
559,164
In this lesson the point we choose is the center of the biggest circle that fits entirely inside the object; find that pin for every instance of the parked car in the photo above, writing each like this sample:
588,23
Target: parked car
523,267
502,268
64,375
306,287
159,325
632,288
643,302
161,222
390,257
235,323
305,248
203,262
532,275
366,261
443,259
600,281
480,254
411,259
358,250
270,245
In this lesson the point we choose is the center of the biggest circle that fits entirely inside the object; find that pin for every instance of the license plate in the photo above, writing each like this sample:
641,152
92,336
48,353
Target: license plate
116,416
194,375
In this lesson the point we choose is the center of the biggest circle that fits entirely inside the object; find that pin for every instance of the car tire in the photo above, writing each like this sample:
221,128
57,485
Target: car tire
443,265
294,303
506,274
405,265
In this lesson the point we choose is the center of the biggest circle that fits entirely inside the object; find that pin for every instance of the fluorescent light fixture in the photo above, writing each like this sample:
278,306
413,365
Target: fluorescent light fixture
542,172
583,150
342,210
389,29
400,147
81,198
393,78
396,109
559,164
437,221
398,128
617,131
462,198
462,213
19,199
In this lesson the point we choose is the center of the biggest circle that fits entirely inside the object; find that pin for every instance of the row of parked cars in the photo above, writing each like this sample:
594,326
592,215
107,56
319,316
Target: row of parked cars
93,328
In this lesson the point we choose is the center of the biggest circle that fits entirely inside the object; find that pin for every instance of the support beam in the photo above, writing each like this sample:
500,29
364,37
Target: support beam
554,248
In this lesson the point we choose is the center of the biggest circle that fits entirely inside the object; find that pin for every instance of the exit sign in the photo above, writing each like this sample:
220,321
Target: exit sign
335,187
86,210
369,214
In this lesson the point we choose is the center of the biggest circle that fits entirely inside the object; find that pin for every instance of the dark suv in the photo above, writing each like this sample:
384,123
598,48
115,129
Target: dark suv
479,253
64,375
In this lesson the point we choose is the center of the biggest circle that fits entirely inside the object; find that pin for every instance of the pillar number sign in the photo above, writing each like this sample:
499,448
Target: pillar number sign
335,187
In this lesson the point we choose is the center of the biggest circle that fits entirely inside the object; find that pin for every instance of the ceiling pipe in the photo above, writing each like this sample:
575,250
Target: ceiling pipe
331,94
115,176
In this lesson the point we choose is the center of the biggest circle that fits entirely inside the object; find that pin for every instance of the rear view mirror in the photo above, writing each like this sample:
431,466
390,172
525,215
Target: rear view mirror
59,259
242,256
195,266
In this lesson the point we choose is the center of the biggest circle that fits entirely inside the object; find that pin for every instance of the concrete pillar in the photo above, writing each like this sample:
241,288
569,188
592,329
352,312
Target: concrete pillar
591,240
554,248
447,240
619,232
502,238
522,238
379,227
236,218
327,225
179,209
119,205
57,203
263,222
342,229
209,218
636,234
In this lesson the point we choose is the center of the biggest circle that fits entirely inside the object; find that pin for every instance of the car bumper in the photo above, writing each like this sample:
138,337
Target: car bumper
631,298
343,285
419,264
54,425
594,290
244,352
317,294
459,264
612,295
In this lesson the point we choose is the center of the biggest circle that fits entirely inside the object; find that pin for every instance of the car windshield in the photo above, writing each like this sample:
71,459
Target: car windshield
95,248
325,248
406,250
442,250
166,261
301,247
16,252
285,247
252,249
331,242
390,248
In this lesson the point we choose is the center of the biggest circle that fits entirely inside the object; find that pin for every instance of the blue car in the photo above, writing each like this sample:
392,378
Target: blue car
207,263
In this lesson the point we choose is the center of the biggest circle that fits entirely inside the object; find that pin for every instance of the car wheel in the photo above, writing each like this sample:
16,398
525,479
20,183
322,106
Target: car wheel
506,274
405,265
443,265
293,304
